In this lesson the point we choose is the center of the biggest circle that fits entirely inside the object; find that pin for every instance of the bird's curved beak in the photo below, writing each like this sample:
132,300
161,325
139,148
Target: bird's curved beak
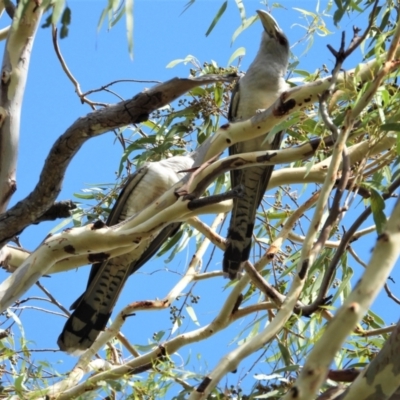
271,27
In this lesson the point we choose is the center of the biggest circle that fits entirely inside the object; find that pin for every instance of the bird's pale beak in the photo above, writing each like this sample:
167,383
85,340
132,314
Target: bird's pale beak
271,27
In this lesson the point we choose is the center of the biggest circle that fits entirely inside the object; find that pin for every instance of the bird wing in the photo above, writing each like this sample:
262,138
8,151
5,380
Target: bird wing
93,308
117,215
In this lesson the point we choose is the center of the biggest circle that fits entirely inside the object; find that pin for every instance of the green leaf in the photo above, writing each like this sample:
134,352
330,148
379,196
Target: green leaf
307,13
102,17
189,4
244,26
218,95
184,240
302,72
158,336
391,126
110,9
377,207
282,127
240,52
188,58
285,354
115,18
398,143
170,243
65,22
61,225
129,25
84,196
217,17
378,321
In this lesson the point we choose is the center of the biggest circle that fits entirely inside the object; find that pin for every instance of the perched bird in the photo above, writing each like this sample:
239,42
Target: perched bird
92,310
258,89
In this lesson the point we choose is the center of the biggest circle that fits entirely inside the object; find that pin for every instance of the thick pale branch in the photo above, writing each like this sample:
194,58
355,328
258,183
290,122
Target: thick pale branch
353,310
334,244
66,388
381,375
232,359
178,211
317,173
210,234
96,123
12,257
76,375
199,180
4,32
133,111
137,109
14,71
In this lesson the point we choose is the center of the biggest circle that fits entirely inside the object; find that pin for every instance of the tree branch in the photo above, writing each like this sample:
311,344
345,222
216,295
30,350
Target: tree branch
67,145
14,73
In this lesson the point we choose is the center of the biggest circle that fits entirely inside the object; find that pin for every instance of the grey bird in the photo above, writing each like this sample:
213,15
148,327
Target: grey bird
93,308
258,89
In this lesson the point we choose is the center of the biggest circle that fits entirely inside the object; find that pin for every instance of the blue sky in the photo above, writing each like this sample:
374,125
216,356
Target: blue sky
161,34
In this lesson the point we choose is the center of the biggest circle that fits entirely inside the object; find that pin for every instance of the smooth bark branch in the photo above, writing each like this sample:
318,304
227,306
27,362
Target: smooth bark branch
13,257
201,179
96,123
4,32
166,209
317,173
353,310
231,360
383,259
14,71
136,110
382,375
136,227
347,238
221,321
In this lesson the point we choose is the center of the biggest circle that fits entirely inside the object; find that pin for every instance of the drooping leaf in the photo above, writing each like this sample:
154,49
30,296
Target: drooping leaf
65,22
129,25
391,126
240,52
185,60
192,314
248,22
377,207
188,5
217,17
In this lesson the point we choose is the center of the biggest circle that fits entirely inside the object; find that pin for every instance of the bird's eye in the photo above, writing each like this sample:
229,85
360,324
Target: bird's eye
282,40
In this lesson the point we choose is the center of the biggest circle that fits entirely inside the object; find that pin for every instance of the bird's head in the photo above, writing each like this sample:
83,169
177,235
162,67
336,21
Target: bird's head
274,41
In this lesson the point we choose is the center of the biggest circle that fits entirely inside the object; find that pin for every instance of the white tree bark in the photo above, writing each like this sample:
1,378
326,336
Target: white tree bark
14,71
